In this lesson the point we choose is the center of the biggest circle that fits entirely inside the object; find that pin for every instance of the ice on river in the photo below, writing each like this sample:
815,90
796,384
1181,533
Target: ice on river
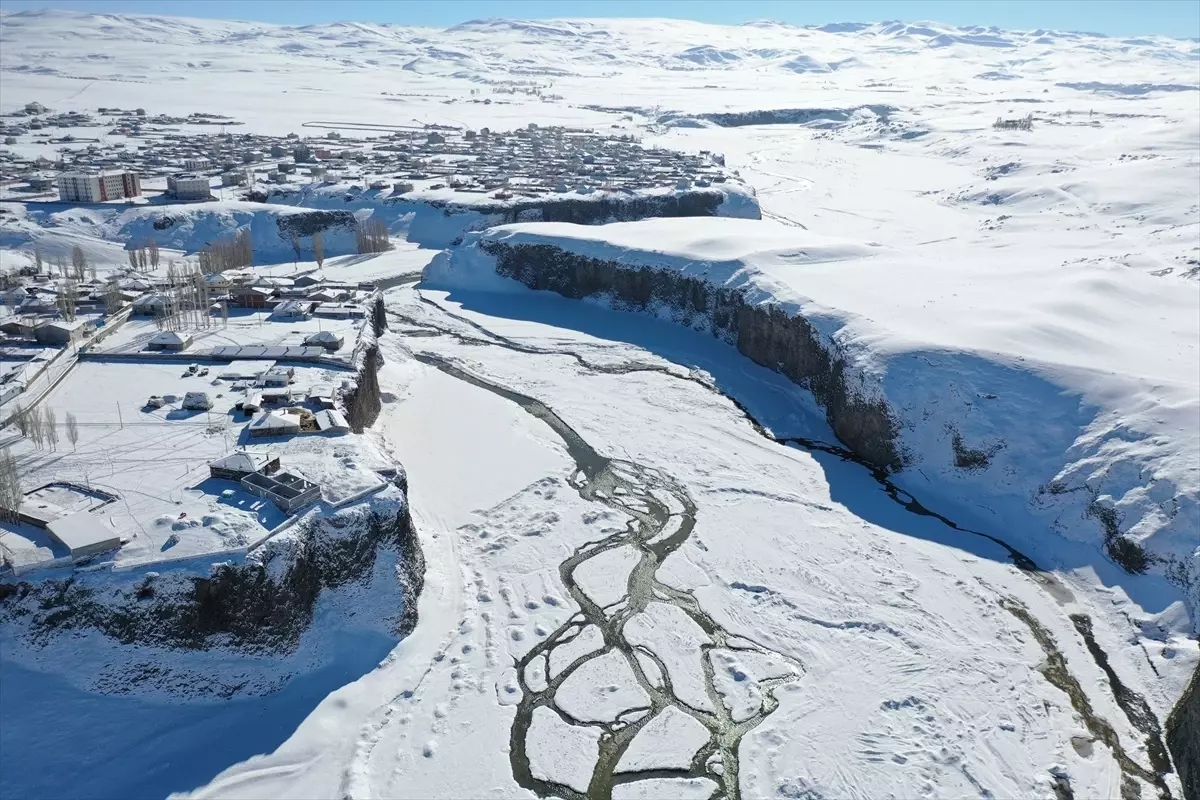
604,577
559,752
672,636
601,689
666,742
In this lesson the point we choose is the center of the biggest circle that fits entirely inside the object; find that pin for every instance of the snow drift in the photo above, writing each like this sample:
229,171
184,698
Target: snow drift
947,378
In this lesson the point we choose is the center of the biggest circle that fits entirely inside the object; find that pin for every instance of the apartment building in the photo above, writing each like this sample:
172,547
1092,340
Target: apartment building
186,186
97,187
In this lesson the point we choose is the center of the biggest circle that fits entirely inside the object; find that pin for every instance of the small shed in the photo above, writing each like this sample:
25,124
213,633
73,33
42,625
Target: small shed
278,376
151,305
331,421
326,339
169,340
83,534
280,422
236,466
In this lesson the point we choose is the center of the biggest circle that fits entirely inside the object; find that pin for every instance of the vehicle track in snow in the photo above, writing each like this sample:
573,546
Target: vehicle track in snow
599,479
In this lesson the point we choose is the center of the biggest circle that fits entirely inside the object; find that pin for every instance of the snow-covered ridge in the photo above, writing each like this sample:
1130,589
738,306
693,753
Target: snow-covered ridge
962,387
486,48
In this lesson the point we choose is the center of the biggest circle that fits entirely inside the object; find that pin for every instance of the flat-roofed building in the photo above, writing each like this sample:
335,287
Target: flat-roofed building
187,186
98,187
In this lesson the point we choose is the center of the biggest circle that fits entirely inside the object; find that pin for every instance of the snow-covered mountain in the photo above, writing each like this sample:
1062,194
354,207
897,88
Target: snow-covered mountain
486,49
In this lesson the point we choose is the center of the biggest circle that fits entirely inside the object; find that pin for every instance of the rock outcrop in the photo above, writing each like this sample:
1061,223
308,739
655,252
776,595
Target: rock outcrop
765,334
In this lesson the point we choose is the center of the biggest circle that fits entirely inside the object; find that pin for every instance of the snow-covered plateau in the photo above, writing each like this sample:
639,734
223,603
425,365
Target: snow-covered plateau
873,472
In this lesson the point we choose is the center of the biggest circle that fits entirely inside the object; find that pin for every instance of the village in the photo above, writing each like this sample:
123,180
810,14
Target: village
107,154
165,414
195,403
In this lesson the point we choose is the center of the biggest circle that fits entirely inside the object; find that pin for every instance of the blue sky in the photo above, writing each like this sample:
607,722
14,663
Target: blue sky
1180,18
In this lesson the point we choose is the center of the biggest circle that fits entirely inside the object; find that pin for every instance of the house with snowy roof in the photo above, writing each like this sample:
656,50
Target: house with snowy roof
236,466
327,339
169,340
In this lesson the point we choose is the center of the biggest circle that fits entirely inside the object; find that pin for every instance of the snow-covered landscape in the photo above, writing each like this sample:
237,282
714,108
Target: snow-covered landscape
599,408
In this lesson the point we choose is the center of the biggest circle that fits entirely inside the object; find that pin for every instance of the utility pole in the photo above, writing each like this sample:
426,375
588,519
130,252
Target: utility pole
119,419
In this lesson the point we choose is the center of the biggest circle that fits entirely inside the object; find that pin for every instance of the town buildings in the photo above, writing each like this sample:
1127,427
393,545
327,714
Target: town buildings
98,187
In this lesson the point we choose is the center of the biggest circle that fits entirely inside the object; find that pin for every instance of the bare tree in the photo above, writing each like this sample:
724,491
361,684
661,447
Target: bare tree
68,298
20,418
10,486
112,297
133,259
296,246
79,262
60,263
72,427
152,246
92,273
318,248
37,259
37,431
50,424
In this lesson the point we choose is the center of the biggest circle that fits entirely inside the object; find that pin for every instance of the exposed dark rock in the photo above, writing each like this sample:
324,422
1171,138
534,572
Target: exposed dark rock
1129,554
1183,738
605,209
304,225
251,606
765,334
785,116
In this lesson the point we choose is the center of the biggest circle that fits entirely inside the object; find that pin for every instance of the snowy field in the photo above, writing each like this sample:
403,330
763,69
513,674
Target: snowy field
156,460
616,548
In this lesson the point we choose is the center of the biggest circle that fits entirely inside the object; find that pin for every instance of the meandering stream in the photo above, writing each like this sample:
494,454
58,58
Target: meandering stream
655,531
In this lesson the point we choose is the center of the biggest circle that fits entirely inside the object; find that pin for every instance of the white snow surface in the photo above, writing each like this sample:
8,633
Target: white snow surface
1036,290
1082,378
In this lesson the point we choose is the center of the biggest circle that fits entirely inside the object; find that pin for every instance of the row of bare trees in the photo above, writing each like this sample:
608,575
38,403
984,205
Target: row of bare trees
10,486
40,425
365,401
371,236
228,253
189,299
68,298
79,267
144,257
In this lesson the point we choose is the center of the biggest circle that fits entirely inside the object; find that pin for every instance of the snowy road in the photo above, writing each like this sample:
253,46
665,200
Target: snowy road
640,595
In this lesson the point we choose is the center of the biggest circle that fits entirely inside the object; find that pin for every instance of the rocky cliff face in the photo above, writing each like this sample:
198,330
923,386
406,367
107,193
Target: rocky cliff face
261,604
1183,738
438,223
764,334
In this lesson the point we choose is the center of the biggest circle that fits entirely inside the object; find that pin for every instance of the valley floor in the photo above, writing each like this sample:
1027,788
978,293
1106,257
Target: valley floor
760,616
